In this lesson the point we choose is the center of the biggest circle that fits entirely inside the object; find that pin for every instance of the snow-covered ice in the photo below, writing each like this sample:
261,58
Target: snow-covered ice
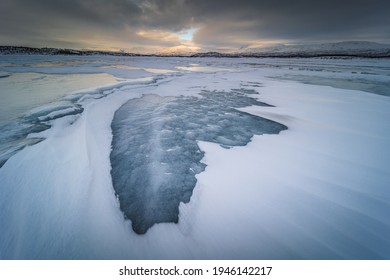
156,158
317,190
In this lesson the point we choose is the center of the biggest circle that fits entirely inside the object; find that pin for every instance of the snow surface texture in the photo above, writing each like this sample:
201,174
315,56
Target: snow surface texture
318,190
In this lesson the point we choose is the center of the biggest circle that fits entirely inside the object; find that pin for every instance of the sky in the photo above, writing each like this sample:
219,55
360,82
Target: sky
184,25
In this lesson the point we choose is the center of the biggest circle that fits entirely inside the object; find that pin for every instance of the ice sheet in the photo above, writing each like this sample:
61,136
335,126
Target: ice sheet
155,156
319,190
34,89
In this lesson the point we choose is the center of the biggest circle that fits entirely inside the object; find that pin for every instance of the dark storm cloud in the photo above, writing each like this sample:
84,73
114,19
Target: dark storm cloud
219,22
302,20
50,20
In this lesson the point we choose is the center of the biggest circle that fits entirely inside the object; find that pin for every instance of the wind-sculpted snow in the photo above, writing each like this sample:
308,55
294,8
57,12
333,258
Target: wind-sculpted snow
319,190
13,137
155,155
14,134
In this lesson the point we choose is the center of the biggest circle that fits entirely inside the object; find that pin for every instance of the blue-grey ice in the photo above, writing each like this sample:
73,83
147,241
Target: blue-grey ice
155,155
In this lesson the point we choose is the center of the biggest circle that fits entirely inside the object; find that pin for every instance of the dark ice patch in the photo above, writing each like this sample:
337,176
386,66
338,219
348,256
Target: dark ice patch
155,155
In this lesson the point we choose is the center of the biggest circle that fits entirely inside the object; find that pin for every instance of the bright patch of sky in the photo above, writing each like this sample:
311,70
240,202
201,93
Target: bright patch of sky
187,34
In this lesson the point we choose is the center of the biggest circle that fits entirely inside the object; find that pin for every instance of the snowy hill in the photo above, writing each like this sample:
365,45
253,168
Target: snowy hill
351,48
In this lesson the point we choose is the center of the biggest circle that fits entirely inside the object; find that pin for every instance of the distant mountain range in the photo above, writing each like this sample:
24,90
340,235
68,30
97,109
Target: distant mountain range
350,48
339,49
56,51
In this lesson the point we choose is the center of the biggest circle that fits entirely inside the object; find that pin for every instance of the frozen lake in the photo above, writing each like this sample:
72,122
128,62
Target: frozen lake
194,158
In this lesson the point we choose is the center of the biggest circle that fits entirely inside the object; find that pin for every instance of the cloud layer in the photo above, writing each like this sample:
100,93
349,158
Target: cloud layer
153,24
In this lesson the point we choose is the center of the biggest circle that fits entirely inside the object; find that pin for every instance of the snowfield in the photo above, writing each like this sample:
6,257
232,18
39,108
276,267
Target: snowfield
208,134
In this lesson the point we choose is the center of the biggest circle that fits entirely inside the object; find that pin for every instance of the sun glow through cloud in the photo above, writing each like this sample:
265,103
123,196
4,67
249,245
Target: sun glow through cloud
159,35
187,34
171,42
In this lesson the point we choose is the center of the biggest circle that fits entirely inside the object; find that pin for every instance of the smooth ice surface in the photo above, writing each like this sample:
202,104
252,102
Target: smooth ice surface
30,100
318,190
23,102
155,155
34,89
